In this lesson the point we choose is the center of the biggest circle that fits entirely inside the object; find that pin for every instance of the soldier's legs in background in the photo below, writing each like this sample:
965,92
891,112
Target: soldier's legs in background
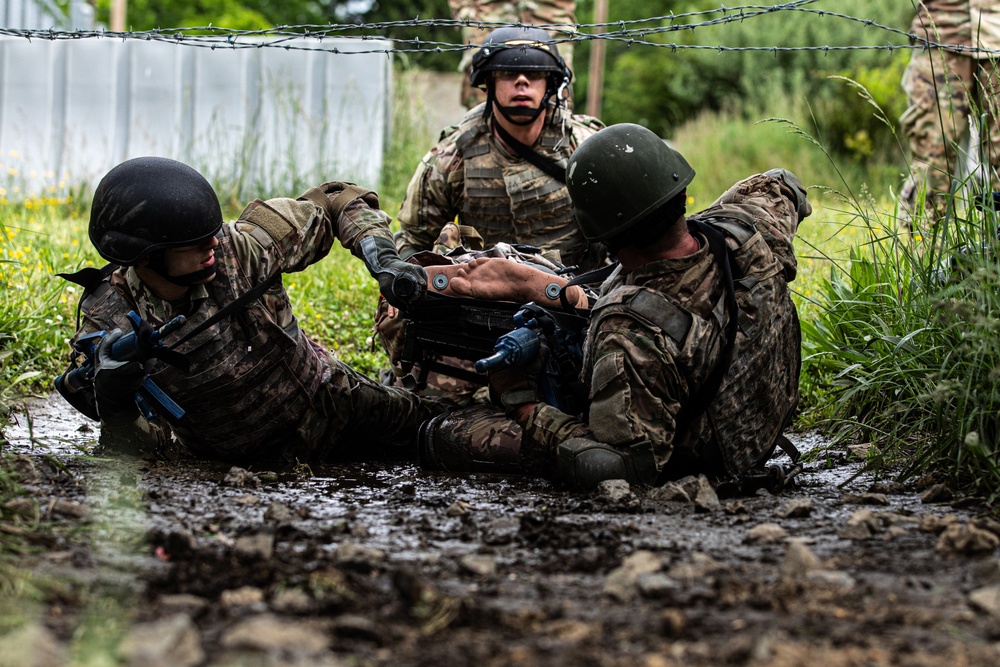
937,85
988,81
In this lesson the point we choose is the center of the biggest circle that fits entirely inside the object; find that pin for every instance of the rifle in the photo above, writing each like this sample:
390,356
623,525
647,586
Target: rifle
538,327
142,343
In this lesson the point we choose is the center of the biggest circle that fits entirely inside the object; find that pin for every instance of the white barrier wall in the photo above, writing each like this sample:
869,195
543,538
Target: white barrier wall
257,121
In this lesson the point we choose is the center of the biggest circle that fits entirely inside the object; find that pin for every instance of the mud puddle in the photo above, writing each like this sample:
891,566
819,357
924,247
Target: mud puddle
385,564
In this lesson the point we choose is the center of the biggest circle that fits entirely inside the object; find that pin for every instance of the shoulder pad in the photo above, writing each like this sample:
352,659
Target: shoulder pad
649,306
734,221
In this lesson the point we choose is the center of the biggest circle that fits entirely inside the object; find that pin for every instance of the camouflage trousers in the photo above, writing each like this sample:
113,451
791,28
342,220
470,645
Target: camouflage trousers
945,91
356,417
482,439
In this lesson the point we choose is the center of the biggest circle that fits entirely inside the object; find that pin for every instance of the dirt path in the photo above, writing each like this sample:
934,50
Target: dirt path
194,564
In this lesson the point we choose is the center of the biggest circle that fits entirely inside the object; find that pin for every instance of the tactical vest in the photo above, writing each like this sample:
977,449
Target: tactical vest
251,381
759,392
511,200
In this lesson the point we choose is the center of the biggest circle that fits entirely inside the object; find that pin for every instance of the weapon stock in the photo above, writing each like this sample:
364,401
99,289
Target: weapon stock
140,344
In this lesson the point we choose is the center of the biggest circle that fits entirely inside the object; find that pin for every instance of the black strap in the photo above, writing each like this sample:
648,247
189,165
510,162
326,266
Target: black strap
548,165
706,393
238,303
89,279
593,276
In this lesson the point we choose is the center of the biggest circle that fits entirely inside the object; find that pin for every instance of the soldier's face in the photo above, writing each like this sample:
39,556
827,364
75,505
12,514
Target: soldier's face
517,89
190,259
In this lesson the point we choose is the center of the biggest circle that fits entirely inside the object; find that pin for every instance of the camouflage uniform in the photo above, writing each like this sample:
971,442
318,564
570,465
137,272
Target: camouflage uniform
471,176
947,86
528,12
258,387
655,336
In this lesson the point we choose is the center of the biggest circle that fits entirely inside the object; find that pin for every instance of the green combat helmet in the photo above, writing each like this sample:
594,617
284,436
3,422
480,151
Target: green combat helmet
621,175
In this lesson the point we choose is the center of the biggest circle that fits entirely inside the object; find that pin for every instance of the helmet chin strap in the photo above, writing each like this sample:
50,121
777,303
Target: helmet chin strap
157,264
526,115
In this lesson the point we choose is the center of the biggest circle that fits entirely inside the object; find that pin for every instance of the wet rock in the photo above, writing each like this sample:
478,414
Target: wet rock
33,644
706,499
670,492
259,546
698,568
987,573
656,586
766,533
966,540
938,493
268,634
621,582
293,601
736,507
986,599
358,557
986,523
796,508
615,491
831,579
690,485
799,560
244,596
502,530
480,564
858,452
241,478
862,525
931,523
458,508
170,642
358,627
673,623
895,532
183,603
279,514
865,499
890,488
23,466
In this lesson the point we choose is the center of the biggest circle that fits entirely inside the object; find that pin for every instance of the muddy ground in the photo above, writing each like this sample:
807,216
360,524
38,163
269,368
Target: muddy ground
196,564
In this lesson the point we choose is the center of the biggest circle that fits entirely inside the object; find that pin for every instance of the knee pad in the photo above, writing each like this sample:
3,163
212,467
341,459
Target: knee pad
584,463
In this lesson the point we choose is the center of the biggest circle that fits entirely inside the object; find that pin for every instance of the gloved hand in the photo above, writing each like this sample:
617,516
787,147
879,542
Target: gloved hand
115,382
401,283
518,385
802,207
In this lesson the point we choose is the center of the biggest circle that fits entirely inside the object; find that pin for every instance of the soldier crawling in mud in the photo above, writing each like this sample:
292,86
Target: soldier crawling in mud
692,350
250,382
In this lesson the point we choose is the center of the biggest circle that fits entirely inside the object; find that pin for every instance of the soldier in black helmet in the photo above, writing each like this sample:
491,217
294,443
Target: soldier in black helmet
250,383
500,173
692,355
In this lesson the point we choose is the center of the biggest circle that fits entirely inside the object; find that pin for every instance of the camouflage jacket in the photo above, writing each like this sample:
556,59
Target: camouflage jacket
962,23
255,377
658,332
469,175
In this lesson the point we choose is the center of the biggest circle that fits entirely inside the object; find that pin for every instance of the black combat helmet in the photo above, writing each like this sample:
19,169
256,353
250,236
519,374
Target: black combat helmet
149,203
520,49
619,176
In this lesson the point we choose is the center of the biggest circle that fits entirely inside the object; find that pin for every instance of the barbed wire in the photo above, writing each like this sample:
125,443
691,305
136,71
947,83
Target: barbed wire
634,32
